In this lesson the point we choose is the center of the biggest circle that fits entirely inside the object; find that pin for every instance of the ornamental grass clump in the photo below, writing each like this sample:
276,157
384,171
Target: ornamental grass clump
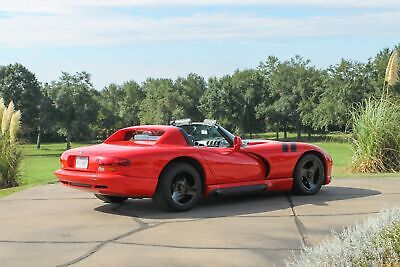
10,155
376,242
376,128
376,136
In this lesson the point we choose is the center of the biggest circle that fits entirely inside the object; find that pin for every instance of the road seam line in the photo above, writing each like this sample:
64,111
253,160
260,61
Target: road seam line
142,227
202,248
299,224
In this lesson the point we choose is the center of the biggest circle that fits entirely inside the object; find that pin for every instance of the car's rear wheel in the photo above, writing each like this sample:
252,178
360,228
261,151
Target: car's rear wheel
179,187
111,199
309,175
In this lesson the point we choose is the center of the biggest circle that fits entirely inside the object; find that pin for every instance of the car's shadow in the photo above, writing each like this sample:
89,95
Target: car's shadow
235,205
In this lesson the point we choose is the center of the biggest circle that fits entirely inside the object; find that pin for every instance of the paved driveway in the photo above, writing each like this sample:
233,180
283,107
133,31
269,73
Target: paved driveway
56,226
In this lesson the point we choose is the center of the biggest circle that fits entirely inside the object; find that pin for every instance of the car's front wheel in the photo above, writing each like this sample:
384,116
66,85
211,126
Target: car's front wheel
111,199
309,175
179,187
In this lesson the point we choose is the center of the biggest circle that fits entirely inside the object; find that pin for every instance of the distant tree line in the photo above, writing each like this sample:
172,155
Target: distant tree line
279,96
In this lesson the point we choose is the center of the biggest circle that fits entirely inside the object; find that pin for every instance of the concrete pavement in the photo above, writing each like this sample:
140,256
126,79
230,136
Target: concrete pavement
56,226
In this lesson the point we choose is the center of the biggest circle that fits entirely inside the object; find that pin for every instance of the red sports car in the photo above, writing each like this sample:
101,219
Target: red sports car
176,165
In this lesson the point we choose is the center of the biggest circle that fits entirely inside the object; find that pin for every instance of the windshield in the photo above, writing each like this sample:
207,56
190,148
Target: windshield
227,133
208,135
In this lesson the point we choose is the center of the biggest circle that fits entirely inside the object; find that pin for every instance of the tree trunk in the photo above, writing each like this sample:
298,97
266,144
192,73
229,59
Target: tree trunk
38,139
309,135
298,130
284,134
68,139
277,135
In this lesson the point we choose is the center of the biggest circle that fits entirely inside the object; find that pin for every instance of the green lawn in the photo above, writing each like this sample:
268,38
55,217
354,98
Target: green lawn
341,154
38,165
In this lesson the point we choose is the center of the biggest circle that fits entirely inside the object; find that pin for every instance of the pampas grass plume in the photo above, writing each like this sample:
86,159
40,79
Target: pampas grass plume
392,75
2,108
15,125
7,114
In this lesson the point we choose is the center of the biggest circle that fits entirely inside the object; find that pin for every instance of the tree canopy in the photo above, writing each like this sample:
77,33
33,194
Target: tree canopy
277,95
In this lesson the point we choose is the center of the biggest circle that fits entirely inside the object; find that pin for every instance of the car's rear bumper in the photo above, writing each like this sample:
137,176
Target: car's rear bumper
108,183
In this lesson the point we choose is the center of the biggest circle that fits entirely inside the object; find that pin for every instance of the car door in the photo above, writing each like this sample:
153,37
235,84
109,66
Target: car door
229,166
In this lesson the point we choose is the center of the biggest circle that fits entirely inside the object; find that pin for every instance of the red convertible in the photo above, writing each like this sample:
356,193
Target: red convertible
176,165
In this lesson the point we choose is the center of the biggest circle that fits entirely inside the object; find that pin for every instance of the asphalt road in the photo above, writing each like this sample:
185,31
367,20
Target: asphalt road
56,226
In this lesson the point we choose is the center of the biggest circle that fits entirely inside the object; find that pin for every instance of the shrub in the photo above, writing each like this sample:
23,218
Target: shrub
10,155
376,242
376,136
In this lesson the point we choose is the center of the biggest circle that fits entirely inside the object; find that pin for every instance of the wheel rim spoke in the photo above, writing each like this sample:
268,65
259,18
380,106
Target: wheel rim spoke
183,189
177,196
311,174
306,183
191,191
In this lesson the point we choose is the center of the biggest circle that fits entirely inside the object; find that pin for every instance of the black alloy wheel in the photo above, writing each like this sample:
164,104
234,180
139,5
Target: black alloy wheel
179,187
309,175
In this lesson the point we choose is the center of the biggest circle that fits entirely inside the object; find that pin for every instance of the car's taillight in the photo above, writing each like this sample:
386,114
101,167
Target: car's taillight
110,163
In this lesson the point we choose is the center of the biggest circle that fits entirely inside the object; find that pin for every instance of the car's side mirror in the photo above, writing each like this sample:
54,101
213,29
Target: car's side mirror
237,143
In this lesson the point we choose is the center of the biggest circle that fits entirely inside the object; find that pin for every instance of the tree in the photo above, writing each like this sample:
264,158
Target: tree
292,86
47,115
110,101
264,109
231,100
347,83
2,72
191,89
130,107
162,102
248,88
73,96
21,86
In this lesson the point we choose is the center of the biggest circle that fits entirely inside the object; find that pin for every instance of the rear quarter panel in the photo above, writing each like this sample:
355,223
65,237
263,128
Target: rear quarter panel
151,161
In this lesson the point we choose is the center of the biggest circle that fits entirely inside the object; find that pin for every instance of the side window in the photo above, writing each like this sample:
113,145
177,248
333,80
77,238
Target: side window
205,135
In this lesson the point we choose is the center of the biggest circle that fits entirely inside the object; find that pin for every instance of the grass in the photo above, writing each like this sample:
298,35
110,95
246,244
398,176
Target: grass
38,165
336,137
342,155
376,135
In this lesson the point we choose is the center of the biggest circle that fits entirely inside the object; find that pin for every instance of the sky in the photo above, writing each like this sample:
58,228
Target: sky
121,40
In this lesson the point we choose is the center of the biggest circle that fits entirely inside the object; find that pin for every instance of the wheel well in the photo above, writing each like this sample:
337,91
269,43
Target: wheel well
191,161
316,153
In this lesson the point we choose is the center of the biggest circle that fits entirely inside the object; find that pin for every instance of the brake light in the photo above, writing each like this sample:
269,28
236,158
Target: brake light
109,163
112,161
71,161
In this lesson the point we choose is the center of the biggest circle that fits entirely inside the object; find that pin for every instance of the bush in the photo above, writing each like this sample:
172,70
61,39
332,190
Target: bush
376,136
376,242
10,155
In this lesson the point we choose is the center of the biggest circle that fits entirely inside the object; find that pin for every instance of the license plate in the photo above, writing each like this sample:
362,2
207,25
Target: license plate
81,162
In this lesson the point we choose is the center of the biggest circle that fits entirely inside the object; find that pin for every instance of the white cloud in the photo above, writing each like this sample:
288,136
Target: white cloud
61,6
65,24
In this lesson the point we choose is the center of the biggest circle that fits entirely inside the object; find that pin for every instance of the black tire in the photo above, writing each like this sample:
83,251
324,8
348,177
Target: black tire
179,187
309,175
111,199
